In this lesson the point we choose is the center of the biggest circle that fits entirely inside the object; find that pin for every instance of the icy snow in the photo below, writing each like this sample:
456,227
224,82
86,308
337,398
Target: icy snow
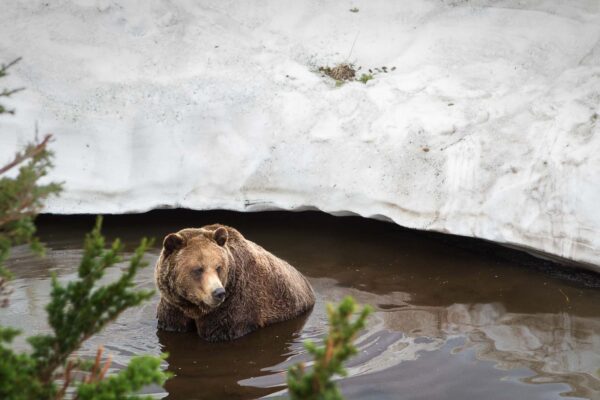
488,127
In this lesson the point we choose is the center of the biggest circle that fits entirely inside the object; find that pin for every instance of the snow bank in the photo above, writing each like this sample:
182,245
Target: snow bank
487,127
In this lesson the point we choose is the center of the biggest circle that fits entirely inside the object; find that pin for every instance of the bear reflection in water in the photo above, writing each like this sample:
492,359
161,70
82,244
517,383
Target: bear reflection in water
212,370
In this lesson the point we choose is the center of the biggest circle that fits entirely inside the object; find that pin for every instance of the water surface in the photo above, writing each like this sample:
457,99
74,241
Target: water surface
450,322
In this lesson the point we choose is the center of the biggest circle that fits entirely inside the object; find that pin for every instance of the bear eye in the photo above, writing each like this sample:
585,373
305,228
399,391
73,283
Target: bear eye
197,272
219,268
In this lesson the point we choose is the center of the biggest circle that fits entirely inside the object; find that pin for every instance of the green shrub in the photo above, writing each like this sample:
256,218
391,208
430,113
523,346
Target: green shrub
317,383
77,310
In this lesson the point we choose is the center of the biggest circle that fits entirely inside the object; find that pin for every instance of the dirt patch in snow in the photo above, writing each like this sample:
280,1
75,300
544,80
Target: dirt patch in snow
341,72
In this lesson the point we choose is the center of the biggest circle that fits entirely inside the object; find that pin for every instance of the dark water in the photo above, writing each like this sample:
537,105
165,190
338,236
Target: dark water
451,322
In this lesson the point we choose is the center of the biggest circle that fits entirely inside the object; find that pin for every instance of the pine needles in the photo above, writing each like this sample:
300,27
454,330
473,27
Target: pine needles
77,310
317,383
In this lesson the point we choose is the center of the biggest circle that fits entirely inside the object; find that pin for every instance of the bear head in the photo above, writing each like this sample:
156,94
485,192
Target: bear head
194,269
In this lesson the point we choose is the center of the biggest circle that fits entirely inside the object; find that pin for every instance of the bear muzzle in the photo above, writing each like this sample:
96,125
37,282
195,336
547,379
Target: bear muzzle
214,292
218,295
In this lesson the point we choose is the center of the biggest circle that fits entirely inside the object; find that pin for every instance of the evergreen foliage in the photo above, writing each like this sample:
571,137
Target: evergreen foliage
21,195
7,92
317,383
77,310
139,372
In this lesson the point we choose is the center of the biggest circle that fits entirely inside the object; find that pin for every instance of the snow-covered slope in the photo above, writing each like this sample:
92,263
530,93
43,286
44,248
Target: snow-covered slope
488,126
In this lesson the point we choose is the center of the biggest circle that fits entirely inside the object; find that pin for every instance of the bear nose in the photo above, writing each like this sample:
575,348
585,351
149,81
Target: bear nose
218,294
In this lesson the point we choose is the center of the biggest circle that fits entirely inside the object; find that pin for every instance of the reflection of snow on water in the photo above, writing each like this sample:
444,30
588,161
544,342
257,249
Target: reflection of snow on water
556,345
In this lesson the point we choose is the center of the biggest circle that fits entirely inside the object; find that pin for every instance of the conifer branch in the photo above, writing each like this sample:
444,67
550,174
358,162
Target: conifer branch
77,310
317,384
8,92
30,152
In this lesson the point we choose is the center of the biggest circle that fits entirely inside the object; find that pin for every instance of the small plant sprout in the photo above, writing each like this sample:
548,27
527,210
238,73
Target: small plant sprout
364,78
317,383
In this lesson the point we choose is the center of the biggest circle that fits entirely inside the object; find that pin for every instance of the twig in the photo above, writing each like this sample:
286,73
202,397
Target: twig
352,48
105,368
566,297
6,92
4,67
18,212
96,365
32,152
57,360
98,370
67,380
329,350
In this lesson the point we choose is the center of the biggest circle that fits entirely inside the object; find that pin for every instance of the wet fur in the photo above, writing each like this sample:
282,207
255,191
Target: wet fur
262,289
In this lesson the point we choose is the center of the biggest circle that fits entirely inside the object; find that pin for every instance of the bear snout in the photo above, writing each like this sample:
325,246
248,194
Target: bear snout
218,295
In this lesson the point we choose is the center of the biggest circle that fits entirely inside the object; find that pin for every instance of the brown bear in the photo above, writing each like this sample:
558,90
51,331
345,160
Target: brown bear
214,281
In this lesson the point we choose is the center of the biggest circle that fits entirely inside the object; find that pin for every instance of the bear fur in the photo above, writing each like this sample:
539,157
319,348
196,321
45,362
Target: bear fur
196,264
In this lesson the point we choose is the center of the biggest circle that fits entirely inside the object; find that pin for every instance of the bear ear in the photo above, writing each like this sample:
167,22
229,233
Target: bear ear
172,242
221,236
